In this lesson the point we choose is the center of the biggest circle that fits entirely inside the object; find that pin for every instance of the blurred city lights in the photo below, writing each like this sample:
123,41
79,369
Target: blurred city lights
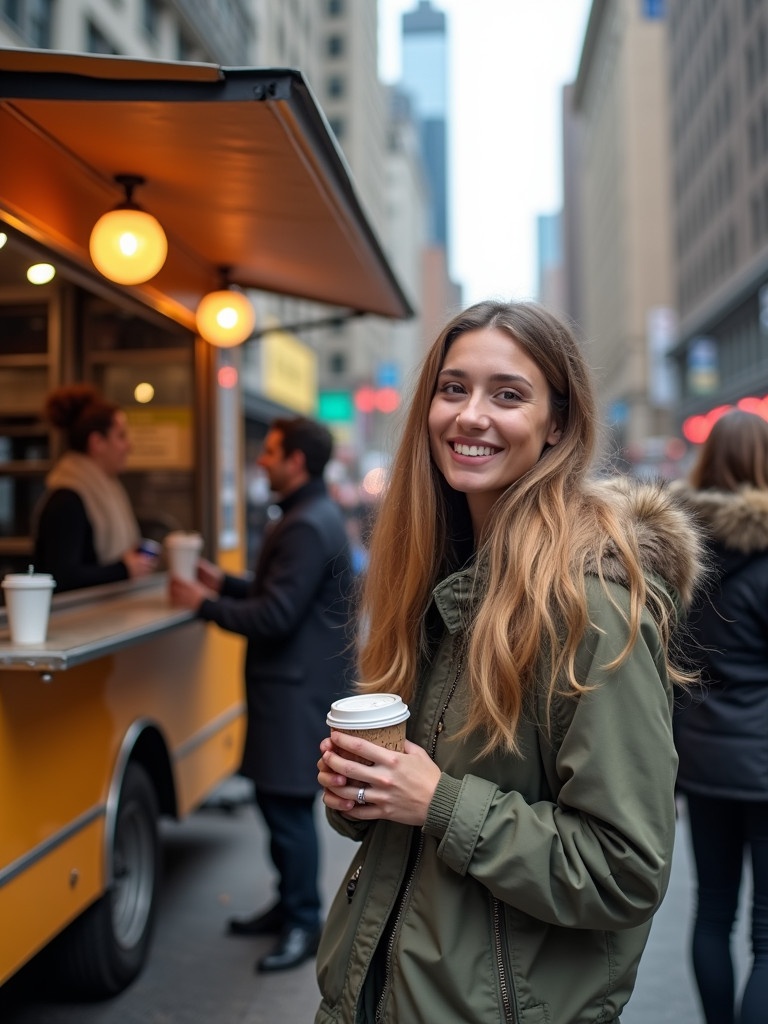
227,376
374,482
41,273
696,428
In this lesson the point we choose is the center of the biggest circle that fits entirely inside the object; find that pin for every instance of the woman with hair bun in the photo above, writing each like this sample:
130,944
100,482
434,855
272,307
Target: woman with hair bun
86,532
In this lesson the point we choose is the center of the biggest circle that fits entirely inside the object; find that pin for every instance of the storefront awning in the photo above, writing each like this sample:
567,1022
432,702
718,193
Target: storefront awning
241,168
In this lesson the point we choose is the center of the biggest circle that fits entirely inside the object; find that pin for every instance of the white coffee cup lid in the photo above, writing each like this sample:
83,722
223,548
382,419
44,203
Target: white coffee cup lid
182,537
28,580
367,711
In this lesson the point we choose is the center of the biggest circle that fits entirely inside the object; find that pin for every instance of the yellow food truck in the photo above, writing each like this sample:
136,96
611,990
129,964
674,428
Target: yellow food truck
132,709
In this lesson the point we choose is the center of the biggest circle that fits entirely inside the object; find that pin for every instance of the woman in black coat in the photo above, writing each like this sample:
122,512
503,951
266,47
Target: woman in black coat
721,730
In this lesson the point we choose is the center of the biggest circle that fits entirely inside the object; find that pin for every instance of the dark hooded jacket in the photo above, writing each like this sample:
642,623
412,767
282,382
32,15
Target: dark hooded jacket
528,894
721,727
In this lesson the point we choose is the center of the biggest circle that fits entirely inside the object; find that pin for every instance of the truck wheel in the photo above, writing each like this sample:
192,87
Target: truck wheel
105,949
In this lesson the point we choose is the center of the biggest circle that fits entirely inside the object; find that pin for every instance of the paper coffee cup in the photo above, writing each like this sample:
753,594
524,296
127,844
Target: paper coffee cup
182,551
377,717
28,603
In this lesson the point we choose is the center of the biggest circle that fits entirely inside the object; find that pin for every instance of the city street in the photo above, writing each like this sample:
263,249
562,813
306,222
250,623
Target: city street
215,866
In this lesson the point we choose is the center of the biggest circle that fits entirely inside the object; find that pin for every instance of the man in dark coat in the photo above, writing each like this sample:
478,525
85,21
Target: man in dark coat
296,616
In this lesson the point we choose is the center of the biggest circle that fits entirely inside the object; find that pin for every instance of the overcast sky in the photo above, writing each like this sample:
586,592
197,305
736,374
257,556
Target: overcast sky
508,61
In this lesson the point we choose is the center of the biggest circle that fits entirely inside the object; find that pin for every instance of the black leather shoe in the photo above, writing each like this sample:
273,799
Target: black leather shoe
271,922
294,947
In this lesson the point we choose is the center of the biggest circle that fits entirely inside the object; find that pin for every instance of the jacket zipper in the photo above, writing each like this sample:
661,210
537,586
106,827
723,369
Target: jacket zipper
414,867
506,997
352,883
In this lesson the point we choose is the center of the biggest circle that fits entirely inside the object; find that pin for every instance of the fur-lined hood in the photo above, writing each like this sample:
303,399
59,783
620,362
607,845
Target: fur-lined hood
669,542
737,520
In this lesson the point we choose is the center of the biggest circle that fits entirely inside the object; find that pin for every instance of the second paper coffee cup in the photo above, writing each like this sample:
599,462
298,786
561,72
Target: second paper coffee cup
182,552
378,717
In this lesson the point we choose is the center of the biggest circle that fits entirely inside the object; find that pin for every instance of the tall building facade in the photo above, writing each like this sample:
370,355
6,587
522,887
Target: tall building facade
549,238
425,79
335,45
163,29
572,229
719,109
407,231
623,247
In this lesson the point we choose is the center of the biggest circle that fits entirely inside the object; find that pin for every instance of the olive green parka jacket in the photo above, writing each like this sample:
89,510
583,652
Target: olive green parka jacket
528,894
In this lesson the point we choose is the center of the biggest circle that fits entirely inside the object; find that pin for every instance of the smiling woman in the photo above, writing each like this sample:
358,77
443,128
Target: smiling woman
517,848
490,419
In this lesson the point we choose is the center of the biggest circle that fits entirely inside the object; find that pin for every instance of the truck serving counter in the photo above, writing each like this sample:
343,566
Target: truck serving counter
111,722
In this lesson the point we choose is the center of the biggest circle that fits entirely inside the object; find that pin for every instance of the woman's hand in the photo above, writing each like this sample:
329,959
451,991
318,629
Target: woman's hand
398,787
138,564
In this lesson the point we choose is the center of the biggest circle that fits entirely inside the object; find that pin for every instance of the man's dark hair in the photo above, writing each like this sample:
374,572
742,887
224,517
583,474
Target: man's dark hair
305,435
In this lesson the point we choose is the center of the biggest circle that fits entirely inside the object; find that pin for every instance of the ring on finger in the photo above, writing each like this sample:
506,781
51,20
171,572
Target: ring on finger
361,796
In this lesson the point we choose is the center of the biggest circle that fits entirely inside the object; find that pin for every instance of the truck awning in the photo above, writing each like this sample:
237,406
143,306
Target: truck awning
241,168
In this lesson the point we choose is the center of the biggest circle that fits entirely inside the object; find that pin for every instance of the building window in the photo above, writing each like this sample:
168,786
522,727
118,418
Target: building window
32,20
335,46
653,8
337,363
337,127
336,8
150,17
39,22
186,49
12,11
96,41
336,86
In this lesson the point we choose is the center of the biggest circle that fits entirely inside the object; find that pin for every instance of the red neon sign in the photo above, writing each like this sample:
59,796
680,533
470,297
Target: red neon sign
696,428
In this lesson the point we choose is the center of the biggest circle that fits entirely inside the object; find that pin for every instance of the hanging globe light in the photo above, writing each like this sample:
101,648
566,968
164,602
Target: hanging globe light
127,244
225,317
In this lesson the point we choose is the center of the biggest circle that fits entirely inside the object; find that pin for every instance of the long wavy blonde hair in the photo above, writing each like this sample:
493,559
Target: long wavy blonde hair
541,533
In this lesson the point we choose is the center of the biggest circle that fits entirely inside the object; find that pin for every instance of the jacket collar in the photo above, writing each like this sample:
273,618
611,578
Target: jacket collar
654,518
454,597
737,520
311,489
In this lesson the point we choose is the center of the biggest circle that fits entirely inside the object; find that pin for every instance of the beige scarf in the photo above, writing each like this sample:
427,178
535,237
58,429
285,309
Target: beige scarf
106,501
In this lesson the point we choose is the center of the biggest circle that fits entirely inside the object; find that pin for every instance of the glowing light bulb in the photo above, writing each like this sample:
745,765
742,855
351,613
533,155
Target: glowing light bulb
41,273
128,245
225,318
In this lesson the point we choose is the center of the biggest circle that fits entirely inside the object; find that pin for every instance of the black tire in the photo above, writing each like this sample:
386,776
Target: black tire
105,949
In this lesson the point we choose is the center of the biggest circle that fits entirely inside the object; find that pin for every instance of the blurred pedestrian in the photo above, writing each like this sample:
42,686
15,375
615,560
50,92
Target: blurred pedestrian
85,530
295,614
514,854
722,731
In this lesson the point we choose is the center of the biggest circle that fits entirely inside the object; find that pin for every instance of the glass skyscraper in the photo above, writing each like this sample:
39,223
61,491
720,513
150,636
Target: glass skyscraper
425,79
